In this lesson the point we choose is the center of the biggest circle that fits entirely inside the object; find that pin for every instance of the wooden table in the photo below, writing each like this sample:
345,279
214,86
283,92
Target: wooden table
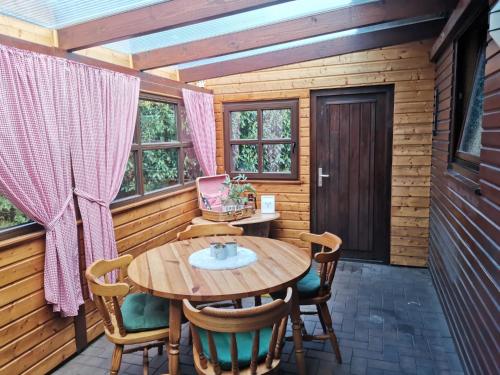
165,272
258,224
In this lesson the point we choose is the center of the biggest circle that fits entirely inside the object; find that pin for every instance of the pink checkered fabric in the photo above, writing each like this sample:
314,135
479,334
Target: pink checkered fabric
201,119
35,170
101,138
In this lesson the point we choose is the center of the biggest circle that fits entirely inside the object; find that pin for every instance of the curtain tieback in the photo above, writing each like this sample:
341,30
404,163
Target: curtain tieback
90,197
53,222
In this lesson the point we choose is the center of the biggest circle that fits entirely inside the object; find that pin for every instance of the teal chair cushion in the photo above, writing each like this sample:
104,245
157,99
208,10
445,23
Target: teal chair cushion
244,342
307,287
144,312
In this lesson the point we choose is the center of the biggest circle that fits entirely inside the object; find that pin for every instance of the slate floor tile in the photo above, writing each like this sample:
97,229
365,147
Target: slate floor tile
387,319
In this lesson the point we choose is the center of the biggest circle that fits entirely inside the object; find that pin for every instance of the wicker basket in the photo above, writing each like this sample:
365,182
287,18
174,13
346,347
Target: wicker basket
220,216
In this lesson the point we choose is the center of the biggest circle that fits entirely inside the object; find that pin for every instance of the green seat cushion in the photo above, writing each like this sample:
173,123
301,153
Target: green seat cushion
144,312
244,342
307,287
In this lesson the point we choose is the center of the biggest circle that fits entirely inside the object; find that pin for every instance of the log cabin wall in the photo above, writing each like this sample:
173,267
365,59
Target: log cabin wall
464,233
34,340
407,67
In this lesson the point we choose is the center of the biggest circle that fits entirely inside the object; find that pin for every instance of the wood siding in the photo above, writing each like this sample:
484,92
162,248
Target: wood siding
34,339
464,226
409,69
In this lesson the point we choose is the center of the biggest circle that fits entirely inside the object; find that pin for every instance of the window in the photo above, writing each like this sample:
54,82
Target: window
162,155
10,216
261,139
470,71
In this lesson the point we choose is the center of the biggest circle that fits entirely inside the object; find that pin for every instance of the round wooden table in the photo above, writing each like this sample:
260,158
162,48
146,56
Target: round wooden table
165,272
258,224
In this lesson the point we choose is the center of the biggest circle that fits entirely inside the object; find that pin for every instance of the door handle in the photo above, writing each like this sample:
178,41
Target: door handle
321,176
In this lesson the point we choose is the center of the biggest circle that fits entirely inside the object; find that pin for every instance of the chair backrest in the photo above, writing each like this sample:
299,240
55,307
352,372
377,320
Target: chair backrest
232,321
327,257
107,295
205,230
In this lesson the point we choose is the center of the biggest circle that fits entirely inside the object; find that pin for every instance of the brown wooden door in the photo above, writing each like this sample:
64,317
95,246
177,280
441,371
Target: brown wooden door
351,147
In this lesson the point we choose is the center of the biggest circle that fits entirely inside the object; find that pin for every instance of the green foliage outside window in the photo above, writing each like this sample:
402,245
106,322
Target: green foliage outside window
158,121
160,168
129,183
276,125
10,216
244,125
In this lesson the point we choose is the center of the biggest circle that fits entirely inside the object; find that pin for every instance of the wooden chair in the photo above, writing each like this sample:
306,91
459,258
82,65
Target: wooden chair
244,341
125,325
319,285
205,230
315,287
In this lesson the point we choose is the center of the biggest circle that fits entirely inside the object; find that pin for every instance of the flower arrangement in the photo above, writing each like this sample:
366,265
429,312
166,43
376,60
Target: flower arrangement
236,192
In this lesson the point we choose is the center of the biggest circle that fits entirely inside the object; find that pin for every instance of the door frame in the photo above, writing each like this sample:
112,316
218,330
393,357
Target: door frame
315,95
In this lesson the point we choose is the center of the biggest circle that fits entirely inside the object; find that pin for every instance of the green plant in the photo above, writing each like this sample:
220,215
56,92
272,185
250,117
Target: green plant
236,190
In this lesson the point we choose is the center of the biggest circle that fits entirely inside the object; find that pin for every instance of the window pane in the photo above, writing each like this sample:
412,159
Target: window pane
10,216
192,168
471,133
277,123
277,158
244,125
160,168
158,121
244,158
129,183
185,130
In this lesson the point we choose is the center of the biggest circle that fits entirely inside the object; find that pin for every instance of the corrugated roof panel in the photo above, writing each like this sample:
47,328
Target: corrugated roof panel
55,14
307,41
230,24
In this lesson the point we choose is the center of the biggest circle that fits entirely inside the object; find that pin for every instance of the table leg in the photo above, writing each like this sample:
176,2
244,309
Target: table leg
175,317
297,333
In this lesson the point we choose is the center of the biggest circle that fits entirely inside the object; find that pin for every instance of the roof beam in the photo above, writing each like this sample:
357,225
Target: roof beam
453,25
343,45
305,27
153,18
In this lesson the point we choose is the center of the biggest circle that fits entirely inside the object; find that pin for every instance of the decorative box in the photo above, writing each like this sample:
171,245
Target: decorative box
211,195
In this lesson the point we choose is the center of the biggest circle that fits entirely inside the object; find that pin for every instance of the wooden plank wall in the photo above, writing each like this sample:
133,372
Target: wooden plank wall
409,69
34,339
464,226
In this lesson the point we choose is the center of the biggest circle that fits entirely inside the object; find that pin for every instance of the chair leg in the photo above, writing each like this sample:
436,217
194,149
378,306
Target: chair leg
116,359
145,361
321,320
258,301
325,313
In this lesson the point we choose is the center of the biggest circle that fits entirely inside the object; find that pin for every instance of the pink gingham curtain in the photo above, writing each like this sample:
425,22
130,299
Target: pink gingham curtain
101,138
201,119
35,170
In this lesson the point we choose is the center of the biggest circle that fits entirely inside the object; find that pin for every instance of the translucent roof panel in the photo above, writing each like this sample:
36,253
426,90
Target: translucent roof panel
307,41
55,14
230,24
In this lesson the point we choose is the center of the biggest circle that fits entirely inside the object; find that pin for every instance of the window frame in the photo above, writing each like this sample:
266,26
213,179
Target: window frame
138,147
259,106
462,162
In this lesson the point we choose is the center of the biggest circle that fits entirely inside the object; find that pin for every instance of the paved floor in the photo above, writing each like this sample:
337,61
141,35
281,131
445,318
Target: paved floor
388,320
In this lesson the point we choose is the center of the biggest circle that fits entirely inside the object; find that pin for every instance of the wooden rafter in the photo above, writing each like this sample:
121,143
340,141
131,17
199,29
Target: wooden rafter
454,24
305,27
347,44
153,18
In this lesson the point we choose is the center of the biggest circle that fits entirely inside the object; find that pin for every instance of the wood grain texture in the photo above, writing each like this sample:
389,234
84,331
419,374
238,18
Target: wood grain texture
464,233
34,339
165,271
351,17
408,67
153,18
